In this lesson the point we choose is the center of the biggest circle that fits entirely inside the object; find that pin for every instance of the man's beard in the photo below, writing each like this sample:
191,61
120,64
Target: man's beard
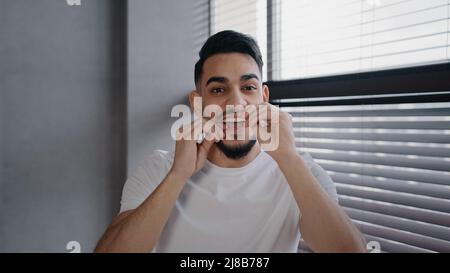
238,151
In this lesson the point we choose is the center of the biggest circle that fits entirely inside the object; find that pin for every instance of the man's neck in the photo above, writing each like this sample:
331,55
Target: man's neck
220,159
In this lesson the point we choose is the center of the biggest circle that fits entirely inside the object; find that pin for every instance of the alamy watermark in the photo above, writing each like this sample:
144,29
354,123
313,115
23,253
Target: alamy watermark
236,122
73,2
73,247
373,247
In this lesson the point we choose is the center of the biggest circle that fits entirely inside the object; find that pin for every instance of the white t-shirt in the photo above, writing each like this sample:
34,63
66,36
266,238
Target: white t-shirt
246,209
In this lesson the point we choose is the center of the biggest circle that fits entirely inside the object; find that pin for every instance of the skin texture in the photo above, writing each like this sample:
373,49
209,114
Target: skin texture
325,226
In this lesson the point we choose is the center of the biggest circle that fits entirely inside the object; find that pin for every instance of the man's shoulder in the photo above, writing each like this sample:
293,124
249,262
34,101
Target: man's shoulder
307,158
315,168
143,180
161,155
320,174
157,161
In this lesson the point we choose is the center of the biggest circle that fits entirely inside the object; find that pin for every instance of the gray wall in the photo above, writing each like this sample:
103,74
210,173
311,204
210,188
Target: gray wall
63,114
69,127
163,42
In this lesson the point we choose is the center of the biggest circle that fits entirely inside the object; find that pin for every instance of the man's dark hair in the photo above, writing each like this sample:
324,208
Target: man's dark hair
227,41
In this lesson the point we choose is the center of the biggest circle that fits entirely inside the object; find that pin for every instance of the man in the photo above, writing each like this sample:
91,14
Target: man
229,195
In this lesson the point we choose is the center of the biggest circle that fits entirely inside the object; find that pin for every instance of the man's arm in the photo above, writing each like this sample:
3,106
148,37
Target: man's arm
324,225
138,230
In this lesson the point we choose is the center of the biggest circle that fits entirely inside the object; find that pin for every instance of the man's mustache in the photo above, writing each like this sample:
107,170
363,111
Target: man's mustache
230,117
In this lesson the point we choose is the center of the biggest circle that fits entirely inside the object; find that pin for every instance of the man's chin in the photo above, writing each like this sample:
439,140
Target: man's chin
235,149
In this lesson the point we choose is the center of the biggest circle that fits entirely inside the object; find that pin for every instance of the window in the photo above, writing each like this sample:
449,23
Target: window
246,16
307,38
390,162
366,82
330,37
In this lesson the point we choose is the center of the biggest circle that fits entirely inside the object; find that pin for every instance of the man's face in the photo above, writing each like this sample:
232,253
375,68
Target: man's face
232,79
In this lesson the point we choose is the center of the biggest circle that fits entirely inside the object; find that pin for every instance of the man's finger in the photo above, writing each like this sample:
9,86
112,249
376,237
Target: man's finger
203,150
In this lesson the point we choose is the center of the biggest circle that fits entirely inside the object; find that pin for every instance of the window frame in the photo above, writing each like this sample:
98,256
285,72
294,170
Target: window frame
420,79
414,84
414,79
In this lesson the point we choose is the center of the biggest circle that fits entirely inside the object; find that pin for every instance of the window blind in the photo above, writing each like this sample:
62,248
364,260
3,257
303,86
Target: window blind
389,154
246,16
330,37
390,164
307,38
201,24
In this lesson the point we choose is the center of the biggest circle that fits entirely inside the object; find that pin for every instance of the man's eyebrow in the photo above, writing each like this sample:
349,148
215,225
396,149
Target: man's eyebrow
216,79
247,77
220,79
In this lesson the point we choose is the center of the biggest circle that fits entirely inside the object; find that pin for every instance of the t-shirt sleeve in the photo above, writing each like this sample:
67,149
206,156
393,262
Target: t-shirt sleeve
321,176
144,180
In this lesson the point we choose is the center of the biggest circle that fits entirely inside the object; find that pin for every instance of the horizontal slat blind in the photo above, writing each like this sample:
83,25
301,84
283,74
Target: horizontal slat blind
390,162
246,16
346,36
201,23
329,37
391,167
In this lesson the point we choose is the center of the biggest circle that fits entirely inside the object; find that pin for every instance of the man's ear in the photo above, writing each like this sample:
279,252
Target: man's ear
192,95
266,93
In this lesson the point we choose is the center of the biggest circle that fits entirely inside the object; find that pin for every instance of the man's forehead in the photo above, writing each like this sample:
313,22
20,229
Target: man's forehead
229,65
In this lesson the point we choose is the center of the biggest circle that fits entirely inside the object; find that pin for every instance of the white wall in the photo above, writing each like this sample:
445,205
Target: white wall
63,102
163,41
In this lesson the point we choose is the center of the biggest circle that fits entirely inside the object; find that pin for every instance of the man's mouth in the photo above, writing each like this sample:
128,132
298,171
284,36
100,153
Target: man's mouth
234,122
234,128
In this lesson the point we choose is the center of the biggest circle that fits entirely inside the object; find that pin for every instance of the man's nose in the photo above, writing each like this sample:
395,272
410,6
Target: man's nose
236,98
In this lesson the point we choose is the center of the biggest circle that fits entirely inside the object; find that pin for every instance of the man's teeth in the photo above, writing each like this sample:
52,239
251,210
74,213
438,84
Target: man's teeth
237,120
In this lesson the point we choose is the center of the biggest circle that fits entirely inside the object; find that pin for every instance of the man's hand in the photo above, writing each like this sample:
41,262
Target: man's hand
333,231
190,156
139,229
280,130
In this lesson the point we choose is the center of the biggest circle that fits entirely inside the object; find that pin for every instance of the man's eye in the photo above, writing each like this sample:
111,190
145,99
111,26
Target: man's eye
217,90
249,88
